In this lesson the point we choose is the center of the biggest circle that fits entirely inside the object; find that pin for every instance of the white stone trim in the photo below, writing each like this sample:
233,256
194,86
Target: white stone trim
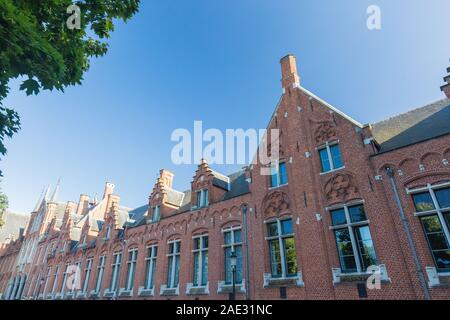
269,280
190,287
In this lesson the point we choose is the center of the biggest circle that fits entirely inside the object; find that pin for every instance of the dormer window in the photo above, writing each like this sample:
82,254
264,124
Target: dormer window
108,232
278,175
202,198
156,214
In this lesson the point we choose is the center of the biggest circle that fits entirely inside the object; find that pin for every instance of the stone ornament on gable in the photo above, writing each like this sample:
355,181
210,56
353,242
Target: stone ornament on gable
275,203
325,131
340,187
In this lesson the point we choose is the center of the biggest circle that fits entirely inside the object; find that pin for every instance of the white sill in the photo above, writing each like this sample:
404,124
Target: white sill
331,171
279,186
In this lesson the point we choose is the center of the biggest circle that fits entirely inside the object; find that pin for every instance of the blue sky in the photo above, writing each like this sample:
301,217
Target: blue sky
217,61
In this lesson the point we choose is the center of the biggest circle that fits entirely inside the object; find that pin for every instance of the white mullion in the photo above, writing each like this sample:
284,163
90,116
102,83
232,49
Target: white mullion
330,159
352,238
440,215
282,256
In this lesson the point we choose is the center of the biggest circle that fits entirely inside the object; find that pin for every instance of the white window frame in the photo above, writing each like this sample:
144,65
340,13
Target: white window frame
87,274
115,269
280,238
233,244
63,285
350,226
437,209
156,213
327,146
55,280
150,263
47,277
203,195
131,268
77,275
173,255
108,232
201,250
276,167
100,273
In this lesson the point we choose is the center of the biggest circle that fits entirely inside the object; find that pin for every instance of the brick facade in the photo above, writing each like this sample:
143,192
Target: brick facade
61,234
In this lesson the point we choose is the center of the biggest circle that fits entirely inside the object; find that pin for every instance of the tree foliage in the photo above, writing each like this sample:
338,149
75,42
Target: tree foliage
3,206
37,46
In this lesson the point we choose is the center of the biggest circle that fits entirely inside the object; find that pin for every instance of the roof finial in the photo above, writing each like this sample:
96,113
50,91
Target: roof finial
55,192
41,198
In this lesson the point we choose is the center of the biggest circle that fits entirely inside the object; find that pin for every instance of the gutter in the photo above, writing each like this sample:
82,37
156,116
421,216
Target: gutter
419,269
247,273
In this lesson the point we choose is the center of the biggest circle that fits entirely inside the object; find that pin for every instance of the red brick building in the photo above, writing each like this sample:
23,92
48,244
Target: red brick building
347,205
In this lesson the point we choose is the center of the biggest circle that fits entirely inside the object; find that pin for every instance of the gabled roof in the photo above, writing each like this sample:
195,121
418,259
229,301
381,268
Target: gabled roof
417,125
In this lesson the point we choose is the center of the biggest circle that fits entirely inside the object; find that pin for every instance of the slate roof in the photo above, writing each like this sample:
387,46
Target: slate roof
13,223
415,126
235,183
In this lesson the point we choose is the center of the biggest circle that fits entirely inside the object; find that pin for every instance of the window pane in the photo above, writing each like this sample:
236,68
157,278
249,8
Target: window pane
357,213
447,218
338,217
442,259
199,199
272,229
345,250
291,259
177,270
205,268
196,268
205,242
423,201
366,248
228,271
283,173
169,272
237,236
336,156
171,246
275,258
436,240
443,197
196,243
274,177
431,224
227,237
286,226
324,160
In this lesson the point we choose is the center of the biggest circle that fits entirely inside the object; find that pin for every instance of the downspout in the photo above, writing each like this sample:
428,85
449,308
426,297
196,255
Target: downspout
247,273
423,284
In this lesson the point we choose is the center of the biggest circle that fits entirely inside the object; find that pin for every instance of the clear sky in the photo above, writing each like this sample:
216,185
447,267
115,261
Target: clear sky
217,61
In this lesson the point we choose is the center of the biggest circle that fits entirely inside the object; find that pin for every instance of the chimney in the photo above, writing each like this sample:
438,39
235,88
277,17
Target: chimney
290,78
446,87
83,204
109,189
166,177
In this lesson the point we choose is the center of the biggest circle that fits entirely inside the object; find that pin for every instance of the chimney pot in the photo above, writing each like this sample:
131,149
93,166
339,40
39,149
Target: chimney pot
166,178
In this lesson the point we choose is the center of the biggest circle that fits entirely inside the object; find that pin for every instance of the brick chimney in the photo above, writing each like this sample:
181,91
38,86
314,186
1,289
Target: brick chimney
83,204
290,78
446,87
109,189
166,178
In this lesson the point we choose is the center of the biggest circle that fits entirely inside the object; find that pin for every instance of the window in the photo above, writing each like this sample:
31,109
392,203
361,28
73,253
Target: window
156,213
200,261
132,258
174,264
150,260
354,242
66,274
87,274
202,198
433,209
108,232
233,243
330,157
55,279
47,278
117,260
283,260
100,272
278,175
77,276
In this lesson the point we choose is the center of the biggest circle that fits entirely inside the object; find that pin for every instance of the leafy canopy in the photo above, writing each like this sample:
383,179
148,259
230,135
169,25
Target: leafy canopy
36,44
